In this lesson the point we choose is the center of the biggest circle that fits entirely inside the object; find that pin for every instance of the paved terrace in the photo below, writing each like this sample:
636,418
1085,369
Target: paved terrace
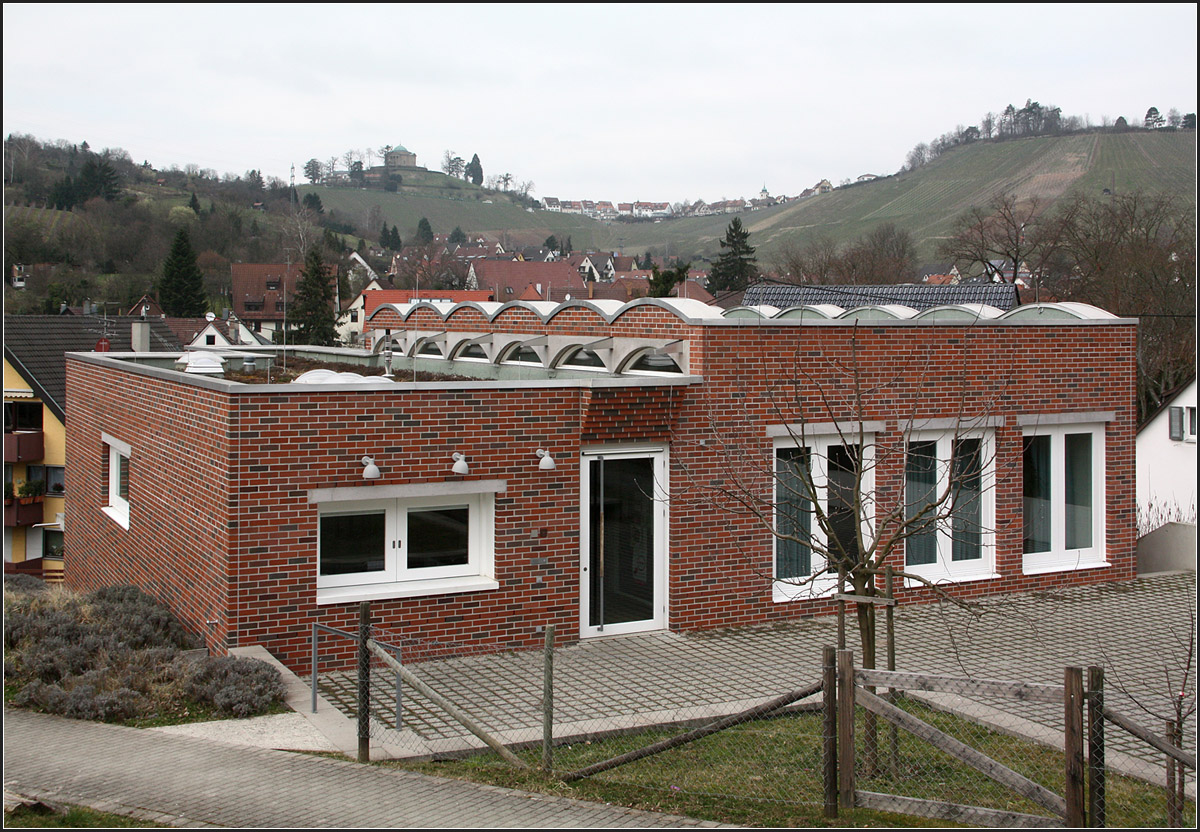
1138,631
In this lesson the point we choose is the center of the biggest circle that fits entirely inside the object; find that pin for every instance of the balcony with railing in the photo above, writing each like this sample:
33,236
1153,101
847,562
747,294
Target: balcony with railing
24,445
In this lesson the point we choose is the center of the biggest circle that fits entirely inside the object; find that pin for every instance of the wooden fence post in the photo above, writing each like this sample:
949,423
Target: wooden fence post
829,681
890,614
841,608
1174,806
1073,746
1181,780
1095,746
548,701
845,718
364,682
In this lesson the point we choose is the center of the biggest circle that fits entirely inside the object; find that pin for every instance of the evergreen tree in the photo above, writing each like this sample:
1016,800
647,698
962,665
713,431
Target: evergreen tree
312,309
566,249
661,283
474,170
181,288
735,268
424,232
385,236
194,204
97,179
62,196
394,241
313,203
457,237
551,243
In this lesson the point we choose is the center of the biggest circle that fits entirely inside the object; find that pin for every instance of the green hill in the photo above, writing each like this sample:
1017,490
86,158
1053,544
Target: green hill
924,202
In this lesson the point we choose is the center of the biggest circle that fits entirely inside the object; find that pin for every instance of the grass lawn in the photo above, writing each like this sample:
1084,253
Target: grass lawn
76,817
768,773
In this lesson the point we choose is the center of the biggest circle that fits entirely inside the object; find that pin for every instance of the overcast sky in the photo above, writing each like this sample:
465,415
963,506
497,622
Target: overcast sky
624,103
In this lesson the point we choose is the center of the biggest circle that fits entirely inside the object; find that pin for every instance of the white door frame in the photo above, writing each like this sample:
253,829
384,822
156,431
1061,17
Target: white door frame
658,621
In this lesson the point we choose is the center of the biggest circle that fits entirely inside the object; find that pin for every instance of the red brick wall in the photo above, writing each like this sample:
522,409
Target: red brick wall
411,435
178,540
221,519
764,375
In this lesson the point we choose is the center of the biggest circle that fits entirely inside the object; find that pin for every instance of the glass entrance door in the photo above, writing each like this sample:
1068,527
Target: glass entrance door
623,565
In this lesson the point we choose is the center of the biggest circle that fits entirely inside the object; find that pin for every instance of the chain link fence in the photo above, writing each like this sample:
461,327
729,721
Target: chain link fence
613,696
919,764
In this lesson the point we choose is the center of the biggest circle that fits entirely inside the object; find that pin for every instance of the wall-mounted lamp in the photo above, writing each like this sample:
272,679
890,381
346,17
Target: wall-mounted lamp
387,359
370,469
547,461
460,466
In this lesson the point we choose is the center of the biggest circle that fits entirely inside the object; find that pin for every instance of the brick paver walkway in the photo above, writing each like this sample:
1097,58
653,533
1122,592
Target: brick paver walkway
1138,631
184,781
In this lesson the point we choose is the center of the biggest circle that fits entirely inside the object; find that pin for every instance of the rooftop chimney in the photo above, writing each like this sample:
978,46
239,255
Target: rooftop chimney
140,336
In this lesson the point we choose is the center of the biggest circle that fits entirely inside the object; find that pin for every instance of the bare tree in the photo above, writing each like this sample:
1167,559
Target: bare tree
1008,230
431,267
828,494
1135,255
453,164
814,262
300,233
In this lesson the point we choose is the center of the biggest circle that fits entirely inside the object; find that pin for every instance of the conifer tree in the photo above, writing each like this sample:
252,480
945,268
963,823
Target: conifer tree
312,310
663,283
735,268
424,232
474,171
181,288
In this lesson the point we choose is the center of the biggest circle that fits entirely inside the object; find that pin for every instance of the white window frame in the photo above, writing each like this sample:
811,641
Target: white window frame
659,457
946,569
396,579
1059,558
1182,423
117,506
819,439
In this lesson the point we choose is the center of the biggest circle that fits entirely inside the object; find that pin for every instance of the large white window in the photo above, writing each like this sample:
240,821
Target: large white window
949,505
1063,497
825,476
118,455
405,545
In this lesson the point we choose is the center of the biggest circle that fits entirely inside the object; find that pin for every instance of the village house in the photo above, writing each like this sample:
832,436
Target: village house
261,293
35,414
586,467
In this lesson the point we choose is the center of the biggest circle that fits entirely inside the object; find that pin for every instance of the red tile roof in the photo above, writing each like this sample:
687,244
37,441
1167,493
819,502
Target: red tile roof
509,279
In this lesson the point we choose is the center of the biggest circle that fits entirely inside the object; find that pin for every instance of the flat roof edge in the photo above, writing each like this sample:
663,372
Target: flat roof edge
120,361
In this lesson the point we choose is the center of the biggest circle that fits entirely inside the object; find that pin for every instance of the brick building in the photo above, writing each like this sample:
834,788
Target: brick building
607,467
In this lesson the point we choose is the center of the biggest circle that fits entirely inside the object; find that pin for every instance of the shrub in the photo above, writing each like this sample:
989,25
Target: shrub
24,584
235,686
114,655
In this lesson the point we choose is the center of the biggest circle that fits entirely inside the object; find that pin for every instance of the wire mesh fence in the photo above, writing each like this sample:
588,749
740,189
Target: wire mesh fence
1015,766
612,696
